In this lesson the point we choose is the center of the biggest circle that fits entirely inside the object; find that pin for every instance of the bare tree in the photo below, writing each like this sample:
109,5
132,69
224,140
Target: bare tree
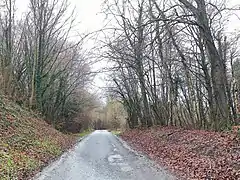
179,54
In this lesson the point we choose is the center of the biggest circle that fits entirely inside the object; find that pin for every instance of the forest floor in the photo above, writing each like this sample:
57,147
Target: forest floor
27,143
190,154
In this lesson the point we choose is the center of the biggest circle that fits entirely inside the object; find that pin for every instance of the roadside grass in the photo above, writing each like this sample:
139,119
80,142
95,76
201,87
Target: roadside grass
85,133
116,132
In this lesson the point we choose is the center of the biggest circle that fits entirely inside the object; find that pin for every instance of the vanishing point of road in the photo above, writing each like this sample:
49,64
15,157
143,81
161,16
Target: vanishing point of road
103,156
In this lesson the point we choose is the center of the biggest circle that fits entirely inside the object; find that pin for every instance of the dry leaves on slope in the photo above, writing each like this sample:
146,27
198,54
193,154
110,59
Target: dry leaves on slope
192,154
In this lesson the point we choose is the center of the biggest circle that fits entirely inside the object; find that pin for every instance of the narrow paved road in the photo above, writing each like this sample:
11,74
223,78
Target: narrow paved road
102,156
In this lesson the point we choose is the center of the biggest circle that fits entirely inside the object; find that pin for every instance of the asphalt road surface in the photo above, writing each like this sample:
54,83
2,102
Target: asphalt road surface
103,156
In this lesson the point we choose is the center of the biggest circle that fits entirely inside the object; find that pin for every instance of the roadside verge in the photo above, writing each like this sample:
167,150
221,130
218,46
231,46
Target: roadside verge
191,154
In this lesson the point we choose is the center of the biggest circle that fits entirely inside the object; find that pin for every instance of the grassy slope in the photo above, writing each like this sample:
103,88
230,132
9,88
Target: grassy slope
27,143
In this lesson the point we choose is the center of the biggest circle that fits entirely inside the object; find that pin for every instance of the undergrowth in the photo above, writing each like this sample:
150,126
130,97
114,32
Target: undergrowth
27,143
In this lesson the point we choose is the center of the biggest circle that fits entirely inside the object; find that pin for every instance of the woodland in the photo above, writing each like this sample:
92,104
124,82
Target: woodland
175,62
172,83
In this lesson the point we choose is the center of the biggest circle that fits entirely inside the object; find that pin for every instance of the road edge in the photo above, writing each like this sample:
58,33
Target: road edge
146,157
55,162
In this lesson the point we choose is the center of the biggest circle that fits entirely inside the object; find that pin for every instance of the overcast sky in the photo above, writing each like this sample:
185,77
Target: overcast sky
87,10
91,19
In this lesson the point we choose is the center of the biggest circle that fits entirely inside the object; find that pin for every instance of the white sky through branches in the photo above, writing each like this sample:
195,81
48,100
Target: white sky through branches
90,18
